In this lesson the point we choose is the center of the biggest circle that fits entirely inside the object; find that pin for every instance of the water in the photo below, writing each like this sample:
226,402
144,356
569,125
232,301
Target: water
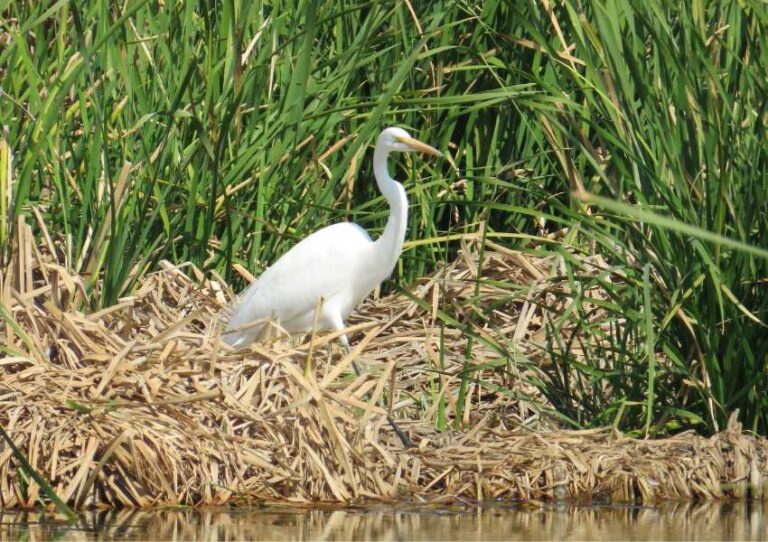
679,521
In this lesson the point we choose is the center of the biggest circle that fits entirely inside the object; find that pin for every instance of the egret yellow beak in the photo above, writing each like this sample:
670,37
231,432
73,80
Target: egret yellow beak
418,146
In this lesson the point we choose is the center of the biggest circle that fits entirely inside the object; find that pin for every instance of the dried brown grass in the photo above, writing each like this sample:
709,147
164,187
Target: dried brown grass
140,404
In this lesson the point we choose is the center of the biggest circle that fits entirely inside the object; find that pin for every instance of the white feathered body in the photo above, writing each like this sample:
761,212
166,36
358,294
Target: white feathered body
335,263
339,264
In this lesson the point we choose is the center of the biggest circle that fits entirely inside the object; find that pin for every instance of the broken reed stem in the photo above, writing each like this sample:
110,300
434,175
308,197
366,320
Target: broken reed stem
141,404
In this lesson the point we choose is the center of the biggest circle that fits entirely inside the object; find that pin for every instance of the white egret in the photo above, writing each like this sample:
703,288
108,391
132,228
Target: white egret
335,268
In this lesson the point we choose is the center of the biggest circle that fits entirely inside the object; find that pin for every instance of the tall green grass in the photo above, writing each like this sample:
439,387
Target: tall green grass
668,114
222,132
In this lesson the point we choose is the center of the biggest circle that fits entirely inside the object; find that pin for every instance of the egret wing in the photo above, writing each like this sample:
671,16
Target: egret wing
322,265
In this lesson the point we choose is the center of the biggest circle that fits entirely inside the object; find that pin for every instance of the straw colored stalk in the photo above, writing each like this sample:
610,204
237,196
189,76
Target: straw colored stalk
140,404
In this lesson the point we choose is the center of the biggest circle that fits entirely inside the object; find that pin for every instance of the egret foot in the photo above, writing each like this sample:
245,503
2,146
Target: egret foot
404,438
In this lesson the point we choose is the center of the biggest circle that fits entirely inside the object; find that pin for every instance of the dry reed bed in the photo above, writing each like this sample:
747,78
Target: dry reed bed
140,404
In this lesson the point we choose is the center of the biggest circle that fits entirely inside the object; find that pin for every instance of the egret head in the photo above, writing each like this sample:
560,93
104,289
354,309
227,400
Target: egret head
398,140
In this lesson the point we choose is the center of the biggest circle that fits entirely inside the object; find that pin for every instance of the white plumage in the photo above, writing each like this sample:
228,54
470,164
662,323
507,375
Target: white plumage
339,264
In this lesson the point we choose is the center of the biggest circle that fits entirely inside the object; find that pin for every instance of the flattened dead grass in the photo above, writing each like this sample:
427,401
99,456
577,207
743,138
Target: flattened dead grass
140,404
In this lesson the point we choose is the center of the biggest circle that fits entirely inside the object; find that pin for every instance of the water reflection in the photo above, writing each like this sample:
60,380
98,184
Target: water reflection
681,521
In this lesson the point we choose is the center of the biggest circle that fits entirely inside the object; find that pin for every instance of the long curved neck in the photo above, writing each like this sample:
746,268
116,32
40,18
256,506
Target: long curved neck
389,245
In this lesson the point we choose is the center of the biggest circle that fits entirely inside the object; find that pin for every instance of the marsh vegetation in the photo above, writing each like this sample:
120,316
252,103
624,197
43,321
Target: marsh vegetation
606,195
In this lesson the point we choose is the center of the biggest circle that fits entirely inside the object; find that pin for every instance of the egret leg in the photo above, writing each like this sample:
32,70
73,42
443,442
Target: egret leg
338,323
402,435
404,438
348,349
